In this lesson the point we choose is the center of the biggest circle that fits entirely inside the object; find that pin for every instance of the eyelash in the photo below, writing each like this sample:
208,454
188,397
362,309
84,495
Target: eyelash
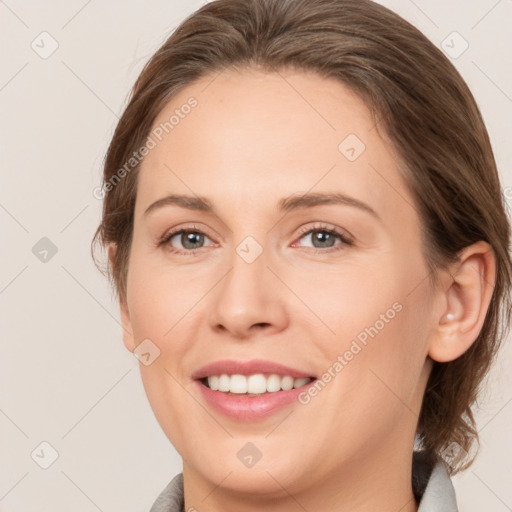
166,238
322,228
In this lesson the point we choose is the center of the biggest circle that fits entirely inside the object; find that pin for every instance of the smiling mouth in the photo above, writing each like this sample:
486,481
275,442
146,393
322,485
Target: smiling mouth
253,385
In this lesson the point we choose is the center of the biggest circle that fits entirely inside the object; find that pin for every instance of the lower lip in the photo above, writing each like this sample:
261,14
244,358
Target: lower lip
244,407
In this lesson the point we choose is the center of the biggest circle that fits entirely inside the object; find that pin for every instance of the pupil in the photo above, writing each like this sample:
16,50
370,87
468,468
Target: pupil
195,240
322,236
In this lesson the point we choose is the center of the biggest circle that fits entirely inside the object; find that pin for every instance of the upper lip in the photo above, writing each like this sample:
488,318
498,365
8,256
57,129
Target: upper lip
231,367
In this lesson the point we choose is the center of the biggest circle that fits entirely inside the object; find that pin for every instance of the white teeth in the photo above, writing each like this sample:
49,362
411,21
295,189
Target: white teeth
273,383
257,384
213,382
297,383
238,384
223,383
254,384
287,383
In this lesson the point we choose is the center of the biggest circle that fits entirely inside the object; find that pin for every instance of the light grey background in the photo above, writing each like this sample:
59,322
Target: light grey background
65,376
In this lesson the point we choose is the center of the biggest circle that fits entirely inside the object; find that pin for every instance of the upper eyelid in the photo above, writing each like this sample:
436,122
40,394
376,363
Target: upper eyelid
325,226
303,231
345,239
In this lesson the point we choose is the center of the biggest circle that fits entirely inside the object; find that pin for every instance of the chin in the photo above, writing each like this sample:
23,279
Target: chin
266,476
263,481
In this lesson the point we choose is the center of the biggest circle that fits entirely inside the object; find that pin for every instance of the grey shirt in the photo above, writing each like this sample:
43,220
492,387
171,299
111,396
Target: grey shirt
435,494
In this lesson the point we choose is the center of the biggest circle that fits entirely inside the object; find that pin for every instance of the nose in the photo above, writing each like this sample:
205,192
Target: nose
249,299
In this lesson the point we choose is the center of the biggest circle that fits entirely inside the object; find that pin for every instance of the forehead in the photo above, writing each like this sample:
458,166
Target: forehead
254,134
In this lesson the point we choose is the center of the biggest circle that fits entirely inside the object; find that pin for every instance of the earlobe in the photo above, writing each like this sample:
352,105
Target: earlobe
466,297
125,313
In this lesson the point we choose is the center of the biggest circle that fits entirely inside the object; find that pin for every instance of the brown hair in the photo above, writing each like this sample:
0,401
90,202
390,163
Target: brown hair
425,108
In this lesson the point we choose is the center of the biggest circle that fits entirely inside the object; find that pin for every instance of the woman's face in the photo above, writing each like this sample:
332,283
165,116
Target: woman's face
334,289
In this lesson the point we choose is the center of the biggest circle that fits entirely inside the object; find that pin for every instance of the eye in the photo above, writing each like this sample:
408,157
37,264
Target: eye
184,240
324,237
188,241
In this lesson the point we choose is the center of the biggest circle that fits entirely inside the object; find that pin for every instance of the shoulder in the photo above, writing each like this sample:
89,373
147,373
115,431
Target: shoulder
433,486
171,498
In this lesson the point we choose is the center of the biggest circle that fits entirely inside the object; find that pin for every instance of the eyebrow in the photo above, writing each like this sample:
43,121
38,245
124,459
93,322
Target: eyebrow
286,204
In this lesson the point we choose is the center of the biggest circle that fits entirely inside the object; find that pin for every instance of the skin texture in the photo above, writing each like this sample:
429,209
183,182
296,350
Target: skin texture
253,139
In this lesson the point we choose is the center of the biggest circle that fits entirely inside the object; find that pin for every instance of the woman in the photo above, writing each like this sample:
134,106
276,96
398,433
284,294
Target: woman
309,243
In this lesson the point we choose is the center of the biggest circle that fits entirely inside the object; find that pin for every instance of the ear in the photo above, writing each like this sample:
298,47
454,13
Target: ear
465,297
128,340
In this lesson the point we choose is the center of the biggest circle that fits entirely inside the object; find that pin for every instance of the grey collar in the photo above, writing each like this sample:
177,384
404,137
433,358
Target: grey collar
439,495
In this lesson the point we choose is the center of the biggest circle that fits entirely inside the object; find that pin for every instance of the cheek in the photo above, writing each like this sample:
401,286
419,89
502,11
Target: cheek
378,314
160,303
160,297
373,373
360,300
